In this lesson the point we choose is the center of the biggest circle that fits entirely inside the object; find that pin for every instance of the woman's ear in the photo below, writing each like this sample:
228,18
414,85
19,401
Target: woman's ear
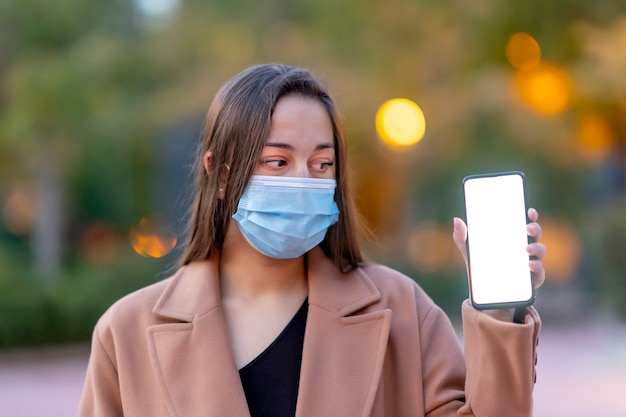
223,176
207,162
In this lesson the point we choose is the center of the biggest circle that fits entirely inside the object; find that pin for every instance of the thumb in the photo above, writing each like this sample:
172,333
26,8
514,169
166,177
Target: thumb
459,235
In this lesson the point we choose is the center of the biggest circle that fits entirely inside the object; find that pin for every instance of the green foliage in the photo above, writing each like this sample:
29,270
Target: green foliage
608,234
28,316
32,314
98,83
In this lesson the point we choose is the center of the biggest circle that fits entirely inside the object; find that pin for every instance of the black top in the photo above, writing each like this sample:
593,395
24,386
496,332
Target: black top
271,380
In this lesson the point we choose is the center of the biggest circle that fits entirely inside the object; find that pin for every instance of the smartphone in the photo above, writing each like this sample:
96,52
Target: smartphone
496,216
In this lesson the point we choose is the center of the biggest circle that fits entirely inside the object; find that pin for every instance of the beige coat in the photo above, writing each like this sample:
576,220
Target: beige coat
375,345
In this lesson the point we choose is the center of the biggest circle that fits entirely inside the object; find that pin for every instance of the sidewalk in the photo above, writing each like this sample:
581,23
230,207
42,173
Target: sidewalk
43,382
581,372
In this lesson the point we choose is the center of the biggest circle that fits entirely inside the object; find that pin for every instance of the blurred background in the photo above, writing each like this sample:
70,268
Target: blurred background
102,106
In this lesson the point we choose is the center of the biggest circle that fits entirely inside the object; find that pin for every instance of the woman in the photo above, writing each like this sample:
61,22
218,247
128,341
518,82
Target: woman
273,311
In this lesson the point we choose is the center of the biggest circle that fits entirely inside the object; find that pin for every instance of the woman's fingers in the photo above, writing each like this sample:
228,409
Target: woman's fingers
536,251
533,214
533,228
537,268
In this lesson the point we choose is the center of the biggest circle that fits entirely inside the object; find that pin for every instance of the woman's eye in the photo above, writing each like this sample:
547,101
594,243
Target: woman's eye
323,166
273,163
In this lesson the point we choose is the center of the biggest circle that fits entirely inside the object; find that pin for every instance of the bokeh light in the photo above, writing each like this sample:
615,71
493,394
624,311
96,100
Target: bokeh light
100,244
157,7
546,89
400,123
19,210
152,237
595,137
523,51
563,250
430,247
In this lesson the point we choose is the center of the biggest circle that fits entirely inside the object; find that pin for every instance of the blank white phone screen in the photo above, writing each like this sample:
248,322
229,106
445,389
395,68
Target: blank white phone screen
497,240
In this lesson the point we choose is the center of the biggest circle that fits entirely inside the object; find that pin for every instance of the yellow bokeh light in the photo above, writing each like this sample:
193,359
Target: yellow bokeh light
152,237
546,89
523,51
400,123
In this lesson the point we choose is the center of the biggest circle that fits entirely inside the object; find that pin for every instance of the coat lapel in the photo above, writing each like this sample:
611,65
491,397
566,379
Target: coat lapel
342,356
343,352
191,354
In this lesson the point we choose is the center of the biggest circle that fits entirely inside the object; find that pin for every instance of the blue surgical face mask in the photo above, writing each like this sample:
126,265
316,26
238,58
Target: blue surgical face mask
285,217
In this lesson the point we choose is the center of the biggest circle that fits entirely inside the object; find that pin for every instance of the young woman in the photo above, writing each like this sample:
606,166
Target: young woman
273,311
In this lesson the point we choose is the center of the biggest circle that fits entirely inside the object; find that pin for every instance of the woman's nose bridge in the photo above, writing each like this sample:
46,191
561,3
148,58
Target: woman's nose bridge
302,169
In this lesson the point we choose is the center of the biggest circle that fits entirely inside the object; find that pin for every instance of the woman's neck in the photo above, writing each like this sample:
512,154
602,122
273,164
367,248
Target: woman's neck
246,273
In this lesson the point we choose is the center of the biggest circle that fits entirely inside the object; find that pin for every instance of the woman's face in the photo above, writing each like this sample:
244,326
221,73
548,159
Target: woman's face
300,142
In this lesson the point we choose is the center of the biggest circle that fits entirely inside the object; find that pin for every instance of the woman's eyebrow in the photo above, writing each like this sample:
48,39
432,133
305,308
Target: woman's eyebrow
324,146
280,145
291,148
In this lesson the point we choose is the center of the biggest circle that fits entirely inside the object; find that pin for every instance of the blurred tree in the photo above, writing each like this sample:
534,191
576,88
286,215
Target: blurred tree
50,94
88,88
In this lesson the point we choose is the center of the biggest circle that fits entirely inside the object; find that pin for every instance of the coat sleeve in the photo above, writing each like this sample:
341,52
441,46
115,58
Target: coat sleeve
494,374
500,358
101,394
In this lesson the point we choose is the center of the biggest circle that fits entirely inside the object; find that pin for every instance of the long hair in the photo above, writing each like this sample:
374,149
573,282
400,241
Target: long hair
236,129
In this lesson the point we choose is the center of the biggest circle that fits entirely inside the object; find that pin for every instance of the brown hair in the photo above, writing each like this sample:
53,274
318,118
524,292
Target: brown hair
236,128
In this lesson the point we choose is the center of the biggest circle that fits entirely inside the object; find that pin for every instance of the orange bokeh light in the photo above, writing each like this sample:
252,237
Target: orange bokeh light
19,210
595,137
563,250
100,244
546,89
152,237
523,51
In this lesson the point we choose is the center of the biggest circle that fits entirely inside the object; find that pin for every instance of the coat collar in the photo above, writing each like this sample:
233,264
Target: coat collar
195,289
342,355
344,343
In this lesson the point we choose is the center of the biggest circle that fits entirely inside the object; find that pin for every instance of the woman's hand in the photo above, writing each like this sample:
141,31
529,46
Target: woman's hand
536,251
